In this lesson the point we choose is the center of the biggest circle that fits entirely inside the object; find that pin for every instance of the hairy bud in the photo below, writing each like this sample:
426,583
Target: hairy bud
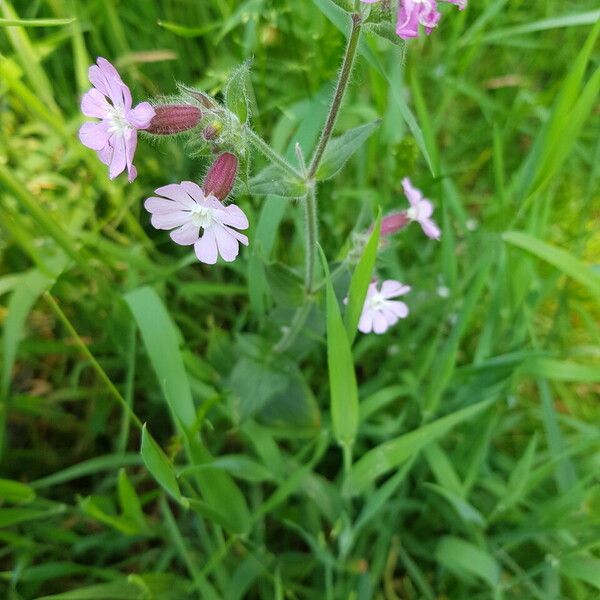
174,118
221,176
212,131
394,222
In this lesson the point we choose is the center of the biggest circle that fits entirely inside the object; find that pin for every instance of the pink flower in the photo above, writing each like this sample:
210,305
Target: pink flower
115,137
380,312
420,210
412,13
185,209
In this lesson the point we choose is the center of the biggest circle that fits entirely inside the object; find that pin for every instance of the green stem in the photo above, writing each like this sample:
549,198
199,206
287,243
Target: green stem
340,90
95,364
269,153
312,238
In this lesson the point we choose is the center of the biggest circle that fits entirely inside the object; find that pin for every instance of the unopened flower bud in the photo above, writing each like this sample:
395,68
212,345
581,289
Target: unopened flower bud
394,222
221,176
174,118
212,131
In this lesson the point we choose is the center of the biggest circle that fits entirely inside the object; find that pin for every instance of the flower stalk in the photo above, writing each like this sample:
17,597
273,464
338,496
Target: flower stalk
270,154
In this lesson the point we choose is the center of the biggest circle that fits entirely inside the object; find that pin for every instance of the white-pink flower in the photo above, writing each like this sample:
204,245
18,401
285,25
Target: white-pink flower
115,137
380,312
185,209
420,210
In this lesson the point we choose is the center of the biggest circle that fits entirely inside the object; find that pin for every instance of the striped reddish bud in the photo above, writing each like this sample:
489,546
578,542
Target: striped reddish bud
174,118
394,222
221,176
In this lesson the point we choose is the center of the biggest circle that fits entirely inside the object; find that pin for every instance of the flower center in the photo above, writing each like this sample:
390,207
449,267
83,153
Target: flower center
377,302
202,216
412,213
118,122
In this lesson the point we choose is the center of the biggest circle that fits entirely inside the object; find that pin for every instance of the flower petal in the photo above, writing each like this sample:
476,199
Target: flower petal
430,229
413,195
195,191
399,309
206,247
141,115
392,288
186,235
94,135
228,246
130,146
380,325
161,205
234,216
177,193
170,220
365,325
94,104
424,210
119,158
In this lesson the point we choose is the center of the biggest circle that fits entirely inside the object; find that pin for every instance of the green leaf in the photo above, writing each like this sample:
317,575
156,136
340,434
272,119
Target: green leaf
131,506
236,95
584,568
557,257
238,465
361,279
160,467
390,455
342,378
35,22
340,149
15,491
468,560
287,287
272,181
162,342
115,590
465,511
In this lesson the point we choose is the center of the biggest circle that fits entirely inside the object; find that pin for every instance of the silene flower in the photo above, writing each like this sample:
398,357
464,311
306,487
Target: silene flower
413,13
114,138
186,208
380,312
420,210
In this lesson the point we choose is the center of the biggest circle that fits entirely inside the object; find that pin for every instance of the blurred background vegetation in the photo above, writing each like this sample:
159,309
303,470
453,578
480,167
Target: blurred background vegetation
99,311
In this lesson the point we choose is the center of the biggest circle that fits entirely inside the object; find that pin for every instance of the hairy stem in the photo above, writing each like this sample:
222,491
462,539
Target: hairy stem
312,238
269,153
340,90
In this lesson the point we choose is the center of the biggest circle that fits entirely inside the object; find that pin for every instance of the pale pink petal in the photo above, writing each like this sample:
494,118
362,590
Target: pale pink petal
206,248
130,146
105,154
186,235
170,220
119,157
234,216
424,210
94,104
430,229
176,192
141,115
228,246
118,92
365,325
413,195
94,135
397,308
380,325
390,316
240,237
392,288
195,191
161,206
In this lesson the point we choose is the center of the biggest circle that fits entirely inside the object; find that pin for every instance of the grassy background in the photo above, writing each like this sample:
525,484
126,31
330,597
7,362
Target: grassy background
102,315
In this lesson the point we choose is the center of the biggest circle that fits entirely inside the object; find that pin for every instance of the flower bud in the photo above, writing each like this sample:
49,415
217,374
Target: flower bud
221,176
174,118
394,222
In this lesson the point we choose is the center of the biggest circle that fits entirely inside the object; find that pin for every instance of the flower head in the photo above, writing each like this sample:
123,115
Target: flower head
420,210
115,137
174,118
413,13
380,312
184,208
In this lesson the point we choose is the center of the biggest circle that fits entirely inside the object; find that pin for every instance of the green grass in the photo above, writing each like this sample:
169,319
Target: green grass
153,443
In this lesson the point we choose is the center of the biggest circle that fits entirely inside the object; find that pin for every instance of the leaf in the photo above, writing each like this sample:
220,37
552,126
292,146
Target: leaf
15,491
238,465
390,455
35,22
287,287
131,506
465,558
115,590
272,181
465,511
161,340
236,95
340,149
160,467
557,257
584,568
342,378
361,279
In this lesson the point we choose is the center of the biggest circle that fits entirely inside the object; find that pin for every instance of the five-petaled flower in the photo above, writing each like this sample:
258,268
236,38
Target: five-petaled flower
185,209
380,312
412,13
115,137
420,210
